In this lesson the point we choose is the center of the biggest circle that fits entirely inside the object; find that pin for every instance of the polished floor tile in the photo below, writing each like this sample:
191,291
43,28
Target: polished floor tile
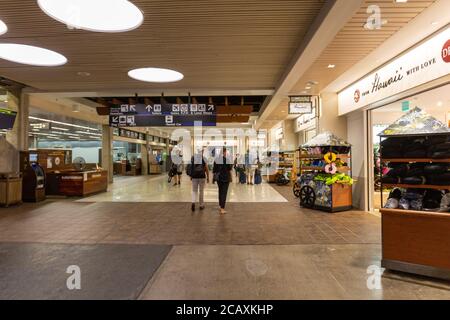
157,189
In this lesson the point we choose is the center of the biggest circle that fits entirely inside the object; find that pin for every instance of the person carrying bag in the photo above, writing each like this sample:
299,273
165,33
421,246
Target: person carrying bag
199,173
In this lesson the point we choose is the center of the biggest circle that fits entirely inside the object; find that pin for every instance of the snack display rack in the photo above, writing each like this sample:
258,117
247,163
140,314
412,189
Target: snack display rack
314,161
415,238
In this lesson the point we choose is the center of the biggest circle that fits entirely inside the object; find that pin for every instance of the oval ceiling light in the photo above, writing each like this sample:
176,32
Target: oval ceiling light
155,75
94,15
31,55
3,28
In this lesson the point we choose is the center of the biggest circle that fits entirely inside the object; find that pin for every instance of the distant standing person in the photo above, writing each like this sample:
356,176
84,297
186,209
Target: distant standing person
222,175
199,175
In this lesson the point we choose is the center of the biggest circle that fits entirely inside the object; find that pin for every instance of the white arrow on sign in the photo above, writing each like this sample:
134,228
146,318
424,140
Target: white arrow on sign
149,108
210,107
115,119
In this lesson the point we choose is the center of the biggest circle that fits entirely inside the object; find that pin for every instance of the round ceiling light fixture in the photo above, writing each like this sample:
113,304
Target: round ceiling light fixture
94,15
155,75
3,28
30,55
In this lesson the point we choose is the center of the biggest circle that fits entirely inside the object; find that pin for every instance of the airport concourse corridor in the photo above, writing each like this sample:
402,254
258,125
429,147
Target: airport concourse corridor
265,247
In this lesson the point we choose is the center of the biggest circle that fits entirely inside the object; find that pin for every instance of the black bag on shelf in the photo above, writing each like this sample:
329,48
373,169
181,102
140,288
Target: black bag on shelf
390,180
432,200
397,170
441,154
395,193
392,152
442,179
436,168
414,180
415,169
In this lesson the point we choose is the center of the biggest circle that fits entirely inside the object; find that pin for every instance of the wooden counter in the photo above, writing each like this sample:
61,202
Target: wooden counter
416,242
76,183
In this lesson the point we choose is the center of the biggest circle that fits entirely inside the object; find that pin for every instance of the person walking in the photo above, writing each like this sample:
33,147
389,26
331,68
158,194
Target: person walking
222,175
179,170
199,173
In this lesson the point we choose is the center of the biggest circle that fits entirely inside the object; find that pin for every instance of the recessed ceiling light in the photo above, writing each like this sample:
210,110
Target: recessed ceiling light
434,23
83,74
155,75
3,28
31,55
97,16
440,104
308,88
331,66
401,1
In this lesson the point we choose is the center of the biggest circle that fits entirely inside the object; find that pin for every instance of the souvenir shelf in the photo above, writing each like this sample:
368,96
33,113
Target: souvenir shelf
316,194
415,241
286,161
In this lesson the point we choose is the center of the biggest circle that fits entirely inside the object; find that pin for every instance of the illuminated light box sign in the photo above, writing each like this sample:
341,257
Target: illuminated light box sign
424,63
161,121
300,105
164,109
7,118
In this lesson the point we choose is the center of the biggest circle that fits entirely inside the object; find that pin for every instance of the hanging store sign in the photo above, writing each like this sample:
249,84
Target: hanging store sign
164,109
161,120
424,63
305,121
300,105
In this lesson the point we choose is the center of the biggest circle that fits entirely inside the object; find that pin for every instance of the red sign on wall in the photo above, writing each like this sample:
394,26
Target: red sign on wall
446,52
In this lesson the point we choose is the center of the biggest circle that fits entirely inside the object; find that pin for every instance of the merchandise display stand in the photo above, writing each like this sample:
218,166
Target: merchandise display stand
324,163
415,235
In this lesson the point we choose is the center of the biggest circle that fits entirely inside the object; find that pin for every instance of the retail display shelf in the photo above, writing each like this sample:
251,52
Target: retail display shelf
409,160
415,186
320,156
321,168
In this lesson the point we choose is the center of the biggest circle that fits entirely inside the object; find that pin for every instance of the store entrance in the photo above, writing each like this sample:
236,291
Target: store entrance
435,102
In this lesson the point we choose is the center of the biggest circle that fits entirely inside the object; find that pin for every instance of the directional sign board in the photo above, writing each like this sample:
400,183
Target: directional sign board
139,120
162,115
164,109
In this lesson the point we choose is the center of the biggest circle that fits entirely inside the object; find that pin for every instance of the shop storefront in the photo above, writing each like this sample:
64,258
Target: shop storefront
420,78
404,107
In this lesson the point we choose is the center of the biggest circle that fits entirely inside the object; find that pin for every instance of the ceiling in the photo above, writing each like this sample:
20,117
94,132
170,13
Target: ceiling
226,45
351,44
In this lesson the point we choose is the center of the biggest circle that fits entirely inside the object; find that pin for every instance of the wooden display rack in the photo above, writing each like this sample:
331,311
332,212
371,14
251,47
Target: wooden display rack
341,194
416,242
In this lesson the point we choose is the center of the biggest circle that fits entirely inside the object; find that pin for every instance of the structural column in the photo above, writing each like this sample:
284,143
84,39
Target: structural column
107,151
17,138
144,158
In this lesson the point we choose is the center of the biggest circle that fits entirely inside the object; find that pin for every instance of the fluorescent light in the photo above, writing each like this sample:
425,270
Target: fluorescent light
31,55
94,15
401,1
63,123
155,75
3,28
331,66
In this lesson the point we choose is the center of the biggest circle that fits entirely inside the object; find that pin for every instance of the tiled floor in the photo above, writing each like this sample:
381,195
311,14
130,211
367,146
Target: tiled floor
265,249
157,189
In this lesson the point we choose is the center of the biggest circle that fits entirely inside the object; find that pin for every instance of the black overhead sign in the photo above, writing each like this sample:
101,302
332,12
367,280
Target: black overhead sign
162,115
164,109
139,120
